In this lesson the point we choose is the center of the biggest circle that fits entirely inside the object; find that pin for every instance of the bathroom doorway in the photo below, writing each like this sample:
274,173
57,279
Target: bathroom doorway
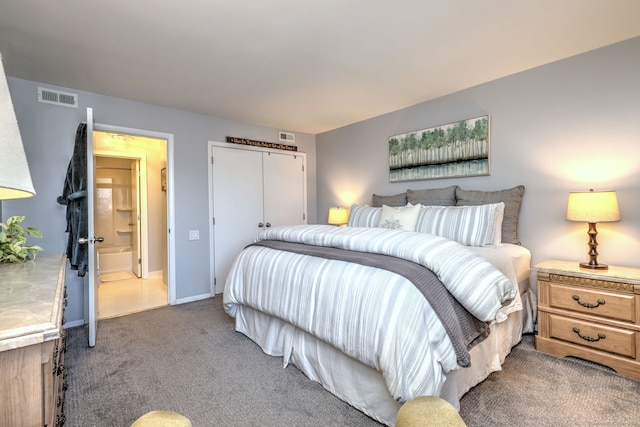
130,211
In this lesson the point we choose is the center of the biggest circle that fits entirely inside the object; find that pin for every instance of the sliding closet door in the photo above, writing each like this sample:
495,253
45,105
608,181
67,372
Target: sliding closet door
252,190
284,189
237,206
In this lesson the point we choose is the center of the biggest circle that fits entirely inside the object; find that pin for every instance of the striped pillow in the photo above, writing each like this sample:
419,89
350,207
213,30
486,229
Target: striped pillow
479,225
364,216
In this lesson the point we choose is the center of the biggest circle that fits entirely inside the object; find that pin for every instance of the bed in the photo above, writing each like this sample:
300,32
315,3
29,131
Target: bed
366,310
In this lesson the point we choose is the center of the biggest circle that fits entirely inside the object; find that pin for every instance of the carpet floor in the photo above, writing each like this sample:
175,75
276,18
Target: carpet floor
189,359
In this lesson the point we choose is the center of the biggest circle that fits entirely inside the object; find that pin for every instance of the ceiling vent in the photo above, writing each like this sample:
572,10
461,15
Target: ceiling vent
50,96
286,137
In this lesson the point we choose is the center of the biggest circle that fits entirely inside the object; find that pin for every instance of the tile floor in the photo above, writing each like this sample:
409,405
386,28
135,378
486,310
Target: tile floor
126,296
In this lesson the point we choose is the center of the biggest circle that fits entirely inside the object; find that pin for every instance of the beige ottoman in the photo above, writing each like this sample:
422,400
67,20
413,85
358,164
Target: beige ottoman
428,411
162,419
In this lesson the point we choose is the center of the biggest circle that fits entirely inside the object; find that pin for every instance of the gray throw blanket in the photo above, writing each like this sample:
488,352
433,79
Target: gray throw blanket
463,329
74,196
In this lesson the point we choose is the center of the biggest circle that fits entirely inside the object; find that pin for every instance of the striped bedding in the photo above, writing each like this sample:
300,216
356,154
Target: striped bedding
376,317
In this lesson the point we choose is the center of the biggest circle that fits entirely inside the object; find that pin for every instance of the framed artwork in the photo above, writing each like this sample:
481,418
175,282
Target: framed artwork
163,179
458,149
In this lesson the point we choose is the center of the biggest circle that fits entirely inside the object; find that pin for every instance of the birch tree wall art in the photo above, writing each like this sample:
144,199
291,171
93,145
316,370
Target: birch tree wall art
457,149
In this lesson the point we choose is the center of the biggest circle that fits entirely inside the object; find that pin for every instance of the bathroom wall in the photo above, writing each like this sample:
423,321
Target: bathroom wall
113,204
155,153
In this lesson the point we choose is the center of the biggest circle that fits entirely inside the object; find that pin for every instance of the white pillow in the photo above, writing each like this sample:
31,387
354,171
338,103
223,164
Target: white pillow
400,218
479,225
364,216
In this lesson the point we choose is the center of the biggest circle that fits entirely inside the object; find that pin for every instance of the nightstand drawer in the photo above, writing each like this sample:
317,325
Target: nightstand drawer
593,301
594,335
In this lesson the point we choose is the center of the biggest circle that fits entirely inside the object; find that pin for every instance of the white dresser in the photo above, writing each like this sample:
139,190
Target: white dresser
32,345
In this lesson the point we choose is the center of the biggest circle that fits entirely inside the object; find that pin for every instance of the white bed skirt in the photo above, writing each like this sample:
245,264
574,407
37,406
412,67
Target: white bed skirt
360,385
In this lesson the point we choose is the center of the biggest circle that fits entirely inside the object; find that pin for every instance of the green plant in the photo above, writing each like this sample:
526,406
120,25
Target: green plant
13,239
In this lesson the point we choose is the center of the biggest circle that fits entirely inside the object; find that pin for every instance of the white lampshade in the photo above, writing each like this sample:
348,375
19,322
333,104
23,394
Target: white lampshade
15,179
338,216
593,206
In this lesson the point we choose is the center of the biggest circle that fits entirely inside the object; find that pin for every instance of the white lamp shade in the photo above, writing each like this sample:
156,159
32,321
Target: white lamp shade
15,179
593,206
338,216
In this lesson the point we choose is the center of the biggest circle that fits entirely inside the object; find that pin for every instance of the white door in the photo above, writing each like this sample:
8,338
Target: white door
136,254
237,206
284,189
92,278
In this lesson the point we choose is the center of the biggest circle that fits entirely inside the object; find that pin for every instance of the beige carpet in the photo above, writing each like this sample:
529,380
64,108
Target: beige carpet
188,359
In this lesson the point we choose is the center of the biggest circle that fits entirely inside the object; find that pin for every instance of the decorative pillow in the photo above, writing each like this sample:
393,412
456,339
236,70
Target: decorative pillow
433,197
399,218
479,225
364,216
395,200
512,199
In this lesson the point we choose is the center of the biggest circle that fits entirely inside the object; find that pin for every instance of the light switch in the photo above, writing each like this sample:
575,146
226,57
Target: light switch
194,234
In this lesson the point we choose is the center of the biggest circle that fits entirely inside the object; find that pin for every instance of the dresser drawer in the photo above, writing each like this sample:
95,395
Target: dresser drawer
593,301
594,335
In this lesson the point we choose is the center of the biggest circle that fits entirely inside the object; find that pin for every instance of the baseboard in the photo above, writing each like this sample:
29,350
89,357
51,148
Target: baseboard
73,324
154,274
81,322
193,298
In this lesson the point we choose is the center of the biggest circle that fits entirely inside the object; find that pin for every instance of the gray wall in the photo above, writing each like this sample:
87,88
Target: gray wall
569,125
48,133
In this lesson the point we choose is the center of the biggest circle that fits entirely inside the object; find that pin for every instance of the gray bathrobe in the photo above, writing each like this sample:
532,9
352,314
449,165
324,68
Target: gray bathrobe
74,196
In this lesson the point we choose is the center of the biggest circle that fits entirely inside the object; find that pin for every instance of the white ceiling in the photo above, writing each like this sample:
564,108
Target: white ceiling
298,65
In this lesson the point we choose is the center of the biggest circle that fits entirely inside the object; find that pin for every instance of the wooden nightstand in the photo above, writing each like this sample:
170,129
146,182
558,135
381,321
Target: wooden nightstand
590,314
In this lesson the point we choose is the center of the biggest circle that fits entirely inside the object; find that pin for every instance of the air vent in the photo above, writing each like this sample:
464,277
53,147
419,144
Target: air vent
50,96
286,137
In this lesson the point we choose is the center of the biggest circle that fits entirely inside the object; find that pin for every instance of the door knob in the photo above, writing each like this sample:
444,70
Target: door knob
260,225
268,224
84,240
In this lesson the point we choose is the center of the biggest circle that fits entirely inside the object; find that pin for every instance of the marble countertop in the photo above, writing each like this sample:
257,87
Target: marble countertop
31,297
613,273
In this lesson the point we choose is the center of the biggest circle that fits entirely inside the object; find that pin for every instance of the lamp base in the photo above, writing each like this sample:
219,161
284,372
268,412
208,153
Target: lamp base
594,266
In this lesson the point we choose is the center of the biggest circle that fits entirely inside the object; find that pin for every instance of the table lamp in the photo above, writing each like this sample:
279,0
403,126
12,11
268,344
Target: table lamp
15,179
338,216
593,207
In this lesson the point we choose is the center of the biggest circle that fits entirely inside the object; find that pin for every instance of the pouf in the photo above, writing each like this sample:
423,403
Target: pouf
162,419
428,411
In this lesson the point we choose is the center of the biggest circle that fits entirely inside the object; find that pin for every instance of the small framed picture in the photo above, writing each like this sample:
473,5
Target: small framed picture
163,178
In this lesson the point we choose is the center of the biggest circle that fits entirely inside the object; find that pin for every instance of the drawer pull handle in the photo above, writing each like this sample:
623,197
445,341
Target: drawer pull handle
601,336
586,304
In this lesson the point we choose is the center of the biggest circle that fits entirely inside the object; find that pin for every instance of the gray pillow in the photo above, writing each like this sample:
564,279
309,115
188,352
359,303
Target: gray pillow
395,200
433,197
512,199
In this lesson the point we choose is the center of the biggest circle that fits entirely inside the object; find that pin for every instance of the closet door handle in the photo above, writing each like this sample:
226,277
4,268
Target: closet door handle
268,224
260,225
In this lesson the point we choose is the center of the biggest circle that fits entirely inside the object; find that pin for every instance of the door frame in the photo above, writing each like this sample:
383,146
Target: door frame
171,274
144,221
